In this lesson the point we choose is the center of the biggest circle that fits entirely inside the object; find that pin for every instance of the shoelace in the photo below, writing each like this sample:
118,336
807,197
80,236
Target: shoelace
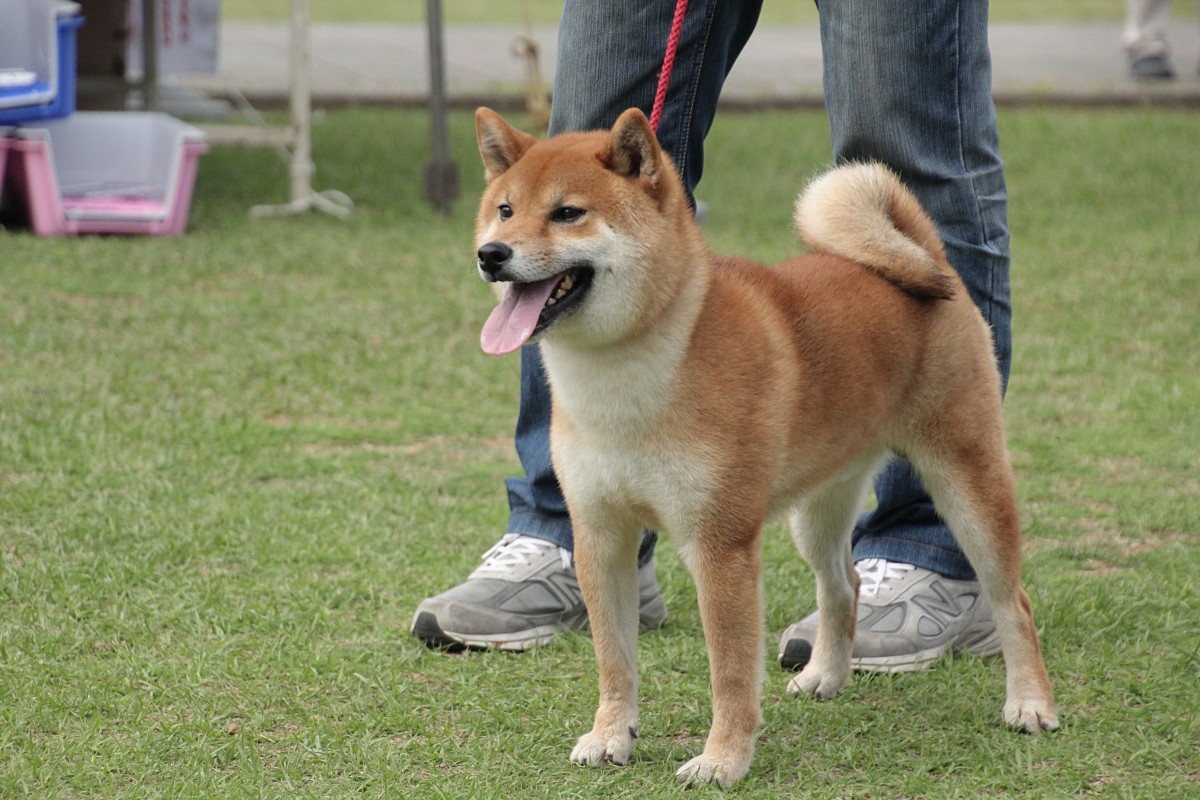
876,572
517,550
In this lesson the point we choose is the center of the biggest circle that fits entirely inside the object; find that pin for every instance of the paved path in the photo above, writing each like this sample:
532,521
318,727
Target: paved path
387,63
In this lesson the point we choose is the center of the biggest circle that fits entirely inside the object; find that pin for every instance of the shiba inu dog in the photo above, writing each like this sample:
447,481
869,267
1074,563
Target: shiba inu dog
701,395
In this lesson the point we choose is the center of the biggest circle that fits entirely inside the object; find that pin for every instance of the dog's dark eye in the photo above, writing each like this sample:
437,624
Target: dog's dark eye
566,214
505,211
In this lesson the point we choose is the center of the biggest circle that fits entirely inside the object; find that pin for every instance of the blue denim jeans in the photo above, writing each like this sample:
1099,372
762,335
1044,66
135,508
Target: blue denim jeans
907,84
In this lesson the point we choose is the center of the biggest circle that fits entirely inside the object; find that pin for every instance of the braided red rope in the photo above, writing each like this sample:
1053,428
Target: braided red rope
664,77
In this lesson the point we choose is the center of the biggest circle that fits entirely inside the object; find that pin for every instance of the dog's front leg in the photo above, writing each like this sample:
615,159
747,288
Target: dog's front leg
606,565
728,586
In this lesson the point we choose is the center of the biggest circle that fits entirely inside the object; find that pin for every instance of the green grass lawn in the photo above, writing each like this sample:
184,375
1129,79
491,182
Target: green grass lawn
231,465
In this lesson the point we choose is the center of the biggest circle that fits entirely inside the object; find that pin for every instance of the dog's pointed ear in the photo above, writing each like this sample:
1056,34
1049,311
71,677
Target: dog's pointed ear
500,144
633,149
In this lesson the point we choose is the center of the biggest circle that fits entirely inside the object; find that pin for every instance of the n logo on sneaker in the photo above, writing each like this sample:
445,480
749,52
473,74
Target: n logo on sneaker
941,609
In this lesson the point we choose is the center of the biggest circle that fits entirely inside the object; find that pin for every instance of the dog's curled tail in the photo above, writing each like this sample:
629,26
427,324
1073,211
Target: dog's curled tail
864,213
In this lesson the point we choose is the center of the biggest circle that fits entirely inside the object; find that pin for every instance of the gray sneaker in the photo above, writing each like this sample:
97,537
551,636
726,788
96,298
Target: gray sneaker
523,594
908,618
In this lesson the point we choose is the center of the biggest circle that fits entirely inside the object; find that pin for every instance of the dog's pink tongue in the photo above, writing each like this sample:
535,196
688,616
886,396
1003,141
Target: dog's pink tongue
512,322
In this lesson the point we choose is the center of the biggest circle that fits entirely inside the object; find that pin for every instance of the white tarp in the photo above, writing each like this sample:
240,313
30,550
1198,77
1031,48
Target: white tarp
188,32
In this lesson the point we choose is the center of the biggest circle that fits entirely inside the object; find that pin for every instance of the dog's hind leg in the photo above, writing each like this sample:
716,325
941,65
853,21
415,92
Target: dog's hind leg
971,484
727,566
606,565
820,526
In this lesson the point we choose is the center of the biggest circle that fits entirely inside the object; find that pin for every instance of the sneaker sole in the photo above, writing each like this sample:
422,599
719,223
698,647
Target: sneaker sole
427,629
797,652
906,662
988,645
653,614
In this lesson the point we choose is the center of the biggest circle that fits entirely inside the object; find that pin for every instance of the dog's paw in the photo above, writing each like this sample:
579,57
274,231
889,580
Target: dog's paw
820,683
1031,715
595,750
705,769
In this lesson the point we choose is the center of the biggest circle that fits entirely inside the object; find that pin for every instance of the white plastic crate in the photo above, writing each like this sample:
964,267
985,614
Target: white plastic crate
105,172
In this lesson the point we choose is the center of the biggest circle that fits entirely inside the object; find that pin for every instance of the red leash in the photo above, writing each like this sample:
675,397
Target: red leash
664,77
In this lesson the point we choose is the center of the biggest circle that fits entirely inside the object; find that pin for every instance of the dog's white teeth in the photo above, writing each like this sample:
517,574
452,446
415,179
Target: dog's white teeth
567,284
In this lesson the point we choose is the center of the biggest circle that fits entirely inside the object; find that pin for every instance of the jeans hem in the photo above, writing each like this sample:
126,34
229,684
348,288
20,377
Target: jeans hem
894,547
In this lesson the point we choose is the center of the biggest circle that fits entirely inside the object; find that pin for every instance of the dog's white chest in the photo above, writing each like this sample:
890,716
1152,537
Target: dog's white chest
667,489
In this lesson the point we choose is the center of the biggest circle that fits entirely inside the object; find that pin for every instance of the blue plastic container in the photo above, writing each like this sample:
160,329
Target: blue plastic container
37,60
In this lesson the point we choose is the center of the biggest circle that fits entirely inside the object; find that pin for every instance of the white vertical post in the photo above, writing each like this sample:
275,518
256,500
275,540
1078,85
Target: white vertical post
301,168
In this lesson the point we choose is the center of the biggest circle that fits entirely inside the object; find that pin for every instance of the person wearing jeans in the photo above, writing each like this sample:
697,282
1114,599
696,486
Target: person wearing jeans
906,84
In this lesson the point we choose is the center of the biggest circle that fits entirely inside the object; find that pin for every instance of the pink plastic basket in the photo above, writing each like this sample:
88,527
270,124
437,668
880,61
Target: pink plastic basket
106,172
3,161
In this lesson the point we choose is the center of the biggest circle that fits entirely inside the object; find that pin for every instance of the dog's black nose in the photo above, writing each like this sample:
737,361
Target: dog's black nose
493,256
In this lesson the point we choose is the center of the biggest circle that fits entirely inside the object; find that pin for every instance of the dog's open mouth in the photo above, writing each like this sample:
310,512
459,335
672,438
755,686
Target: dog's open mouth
529,309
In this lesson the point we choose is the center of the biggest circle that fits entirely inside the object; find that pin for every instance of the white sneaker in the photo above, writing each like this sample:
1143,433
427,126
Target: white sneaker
908,618
524,594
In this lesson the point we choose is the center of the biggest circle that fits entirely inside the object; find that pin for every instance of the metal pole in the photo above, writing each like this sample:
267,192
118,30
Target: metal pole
441,175
150,54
